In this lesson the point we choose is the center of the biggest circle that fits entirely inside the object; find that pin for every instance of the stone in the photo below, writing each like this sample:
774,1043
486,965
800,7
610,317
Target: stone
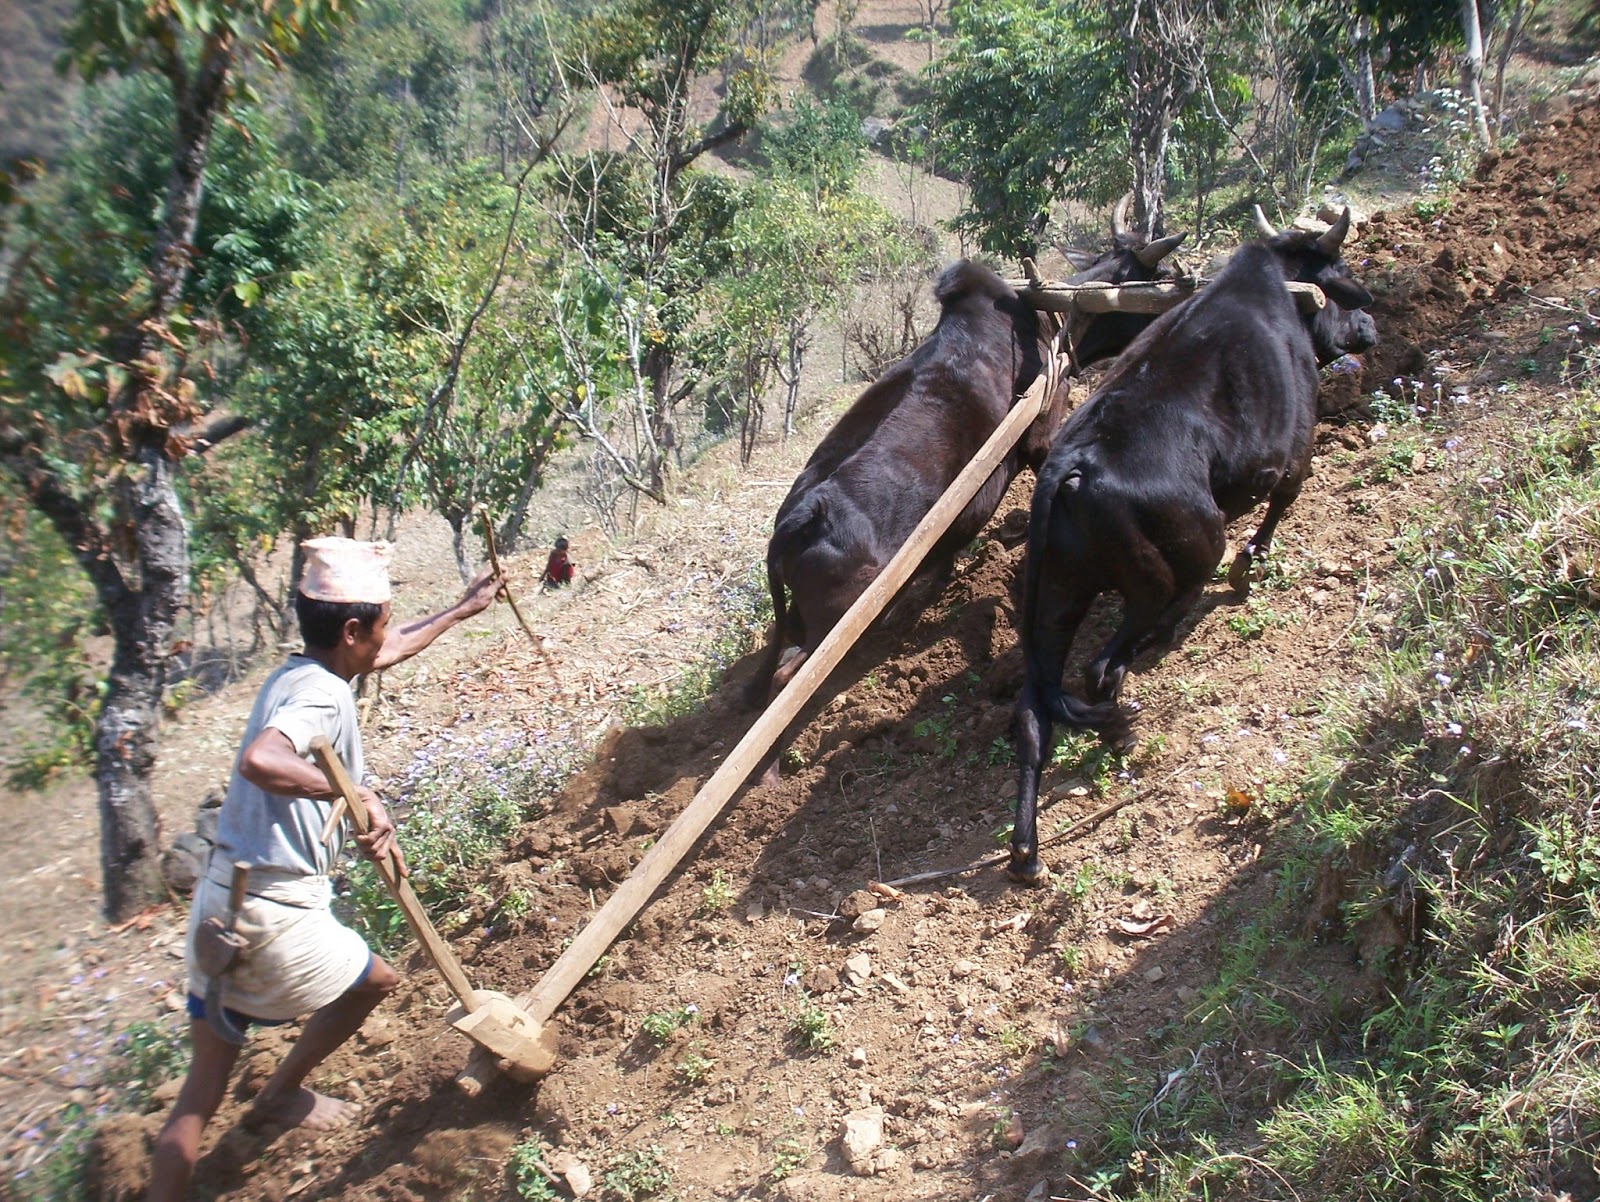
858,903
1040,1143
1330,210
824,978
1391,120
873,129
377,1032
858,968
1040,1191
623,820
869,921
962,969
858,1058
182,863
576,1174
1012,1136
860,1137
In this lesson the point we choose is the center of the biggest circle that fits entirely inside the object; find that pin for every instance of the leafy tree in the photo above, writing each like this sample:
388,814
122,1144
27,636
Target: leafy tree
381,97
94,437
820,147
640,219
1028,107
46,606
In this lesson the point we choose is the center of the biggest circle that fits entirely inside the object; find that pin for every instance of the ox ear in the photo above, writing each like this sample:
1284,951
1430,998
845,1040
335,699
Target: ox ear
1346,293
1081,260
1155,251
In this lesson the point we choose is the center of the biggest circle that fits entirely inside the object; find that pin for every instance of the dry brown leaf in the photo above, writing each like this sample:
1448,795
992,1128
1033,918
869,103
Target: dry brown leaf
1143,930
886,891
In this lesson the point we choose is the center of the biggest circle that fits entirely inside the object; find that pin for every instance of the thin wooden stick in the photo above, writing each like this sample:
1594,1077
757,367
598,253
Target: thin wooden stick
1076,828
494,562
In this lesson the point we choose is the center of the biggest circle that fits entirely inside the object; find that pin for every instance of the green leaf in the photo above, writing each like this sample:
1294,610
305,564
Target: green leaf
248,292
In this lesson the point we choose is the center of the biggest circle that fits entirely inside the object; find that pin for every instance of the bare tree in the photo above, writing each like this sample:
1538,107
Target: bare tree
1472,68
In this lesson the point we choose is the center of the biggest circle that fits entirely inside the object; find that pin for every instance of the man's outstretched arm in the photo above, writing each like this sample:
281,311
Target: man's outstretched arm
402,642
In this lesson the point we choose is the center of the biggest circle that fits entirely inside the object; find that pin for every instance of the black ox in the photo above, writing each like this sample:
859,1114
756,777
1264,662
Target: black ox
1209,411
882,467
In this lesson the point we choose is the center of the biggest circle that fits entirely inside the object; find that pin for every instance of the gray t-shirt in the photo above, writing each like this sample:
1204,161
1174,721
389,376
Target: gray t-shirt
301,699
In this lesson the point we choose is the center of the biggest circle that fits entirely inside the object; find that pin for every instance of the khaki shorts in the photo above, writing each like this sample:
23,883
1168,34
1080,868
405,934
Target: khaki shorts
298,956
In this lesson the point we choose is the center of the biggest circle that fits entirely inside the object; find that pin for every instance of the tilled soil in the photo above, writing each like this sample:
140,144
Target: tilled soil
991,1023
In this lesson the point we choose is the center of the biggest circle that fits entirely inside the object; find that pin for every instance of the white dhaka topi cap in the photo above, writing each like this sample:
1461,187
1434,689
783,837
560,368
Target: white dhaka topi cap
345,570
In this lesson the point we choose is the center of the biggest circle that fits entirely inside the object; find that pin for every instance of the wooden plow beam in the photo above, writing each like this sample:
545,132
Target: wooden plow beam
1155,297
559,980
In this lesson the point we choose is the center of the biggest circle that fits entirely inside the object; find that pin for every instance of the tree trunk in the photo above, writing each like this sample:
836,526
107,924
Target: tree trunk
125,736
1520,12
1472,68
1155,91
458,543
142,618
1366,86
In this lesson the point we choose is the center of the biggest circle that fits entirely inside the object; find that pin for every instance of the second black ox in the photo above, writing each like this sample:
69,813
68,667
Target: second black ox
1207,413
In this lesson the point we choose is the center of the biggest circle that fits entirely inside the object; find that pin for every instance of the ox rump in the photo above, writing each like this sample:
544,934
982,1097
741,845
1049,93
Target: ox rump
1209,412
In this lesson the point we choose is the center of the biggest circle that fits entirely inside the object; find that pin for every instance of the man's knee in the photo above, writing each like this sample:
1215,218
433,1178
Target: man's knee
380,979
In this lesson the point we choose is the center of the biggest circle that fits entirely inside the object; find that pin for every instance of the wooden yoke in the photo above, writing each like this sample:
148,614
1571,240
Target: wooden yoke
1155,297
675,842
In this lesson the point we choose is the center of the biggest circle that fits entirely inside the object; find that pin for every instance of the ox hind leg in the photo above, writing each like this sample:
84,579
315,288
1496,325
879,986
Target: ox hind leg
1046,642
1278,502
1157,592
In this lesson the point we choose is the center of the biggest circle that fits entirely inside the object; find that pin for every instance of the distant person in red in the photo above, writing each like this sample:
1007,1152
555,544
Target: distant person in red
558,568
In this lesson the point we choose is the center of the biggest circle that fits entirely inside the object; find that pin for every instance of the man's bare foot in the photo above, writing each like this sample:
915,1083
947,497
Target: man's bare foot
304,1108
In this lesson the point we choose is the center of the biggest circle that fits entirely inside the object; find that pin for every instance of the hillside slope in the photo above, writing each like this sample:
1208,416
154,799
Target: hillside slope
993,1025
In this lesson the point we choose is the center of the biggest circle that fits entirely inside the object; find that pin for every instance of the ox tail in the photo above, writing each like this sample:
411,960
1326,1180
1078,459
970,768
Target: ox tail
1057,485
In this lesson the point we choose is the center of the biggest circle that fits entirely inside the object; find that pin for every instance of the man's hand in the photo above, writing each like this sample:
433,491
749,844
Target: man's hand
380,842
485,587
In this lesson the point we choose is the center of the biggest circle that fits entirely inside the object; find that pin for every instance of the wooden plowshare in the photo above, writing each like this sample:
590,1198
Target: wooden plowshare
520,1025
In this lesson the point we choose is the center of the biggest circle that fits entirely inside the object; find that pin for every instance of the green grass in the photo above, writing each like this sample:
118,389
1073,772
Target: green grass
638,1174
811,1027
1453,800
746,609
454,823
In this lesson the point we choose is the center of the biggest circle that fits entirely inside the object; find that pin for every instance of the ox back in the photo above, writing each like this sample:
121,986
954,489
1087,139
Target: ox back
892,455
1207,413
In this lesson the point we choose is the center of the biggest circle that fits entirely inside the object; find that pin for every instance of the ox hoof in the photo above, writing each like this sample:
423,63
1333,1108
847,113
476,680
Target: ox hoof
1027,870
1122,742
1239,574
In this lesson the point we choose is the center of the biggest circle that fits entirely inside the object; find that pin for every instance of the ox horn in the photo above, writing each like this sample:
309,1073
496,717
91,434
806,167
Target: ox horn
1119,216
1331,241
1155,251
1263,224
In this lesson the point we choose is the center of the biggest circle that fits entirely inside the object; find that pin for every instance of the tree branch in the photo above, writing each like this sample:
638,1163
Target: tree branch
709,142
446,388
89,542
216,431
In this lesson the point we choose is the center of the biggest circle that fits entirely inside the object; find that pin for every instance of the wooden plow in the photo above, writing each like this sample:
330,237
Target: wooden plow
534,1009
